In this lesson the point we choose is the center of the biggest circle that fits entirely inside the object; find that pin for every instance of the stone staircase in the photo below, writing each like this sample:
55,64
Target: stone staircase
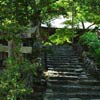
67,78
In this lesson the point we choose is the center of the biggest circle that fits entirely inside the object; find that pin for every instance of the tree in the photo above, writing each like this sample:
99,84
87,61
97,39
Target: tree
85,11
25,13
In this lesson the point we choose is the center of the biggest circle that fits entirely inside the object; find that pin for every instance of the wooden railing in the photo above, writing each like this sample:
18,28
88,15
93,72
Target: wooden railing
24,49
4,53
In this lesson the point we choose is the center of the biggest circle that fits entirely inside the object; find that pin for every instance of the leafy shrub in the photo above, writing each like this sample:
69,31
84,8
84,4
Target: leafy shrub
61,36
96,54
16,81
90,40
95,45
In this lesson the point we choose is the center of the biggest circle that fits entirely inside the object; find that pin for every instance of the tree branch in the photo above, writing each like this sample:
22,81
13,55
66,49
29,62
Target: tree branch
83,25
90,25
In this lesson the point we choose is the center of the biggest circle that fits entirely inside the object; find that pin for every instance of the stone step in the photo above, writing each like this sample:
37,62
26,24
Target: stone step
62,96
62,70
68,66
64,82
89,82
57,63
67,78
73,88
61,64
62,60
65,73
67,99
66,69
67,63
62,57
68,55
74,83
80,82
64,66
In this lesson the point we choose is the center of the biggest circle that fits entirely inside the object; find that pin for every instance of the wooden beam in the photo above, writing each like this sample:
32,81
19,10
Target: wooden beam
3,48
24,49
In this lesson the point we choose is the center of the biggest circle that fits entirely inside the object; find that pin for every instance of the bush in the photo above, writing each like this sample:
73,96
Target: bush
96,54
17,81
62,36
90,40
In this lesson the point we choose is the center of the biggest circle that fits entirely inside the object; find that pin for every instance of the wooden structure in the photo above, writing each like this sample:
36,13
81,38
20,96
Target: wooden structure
26,48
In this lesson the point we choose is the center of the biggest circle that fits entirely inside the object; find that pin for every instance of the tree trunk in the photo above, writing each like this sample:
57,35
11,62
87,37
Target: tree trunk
36,36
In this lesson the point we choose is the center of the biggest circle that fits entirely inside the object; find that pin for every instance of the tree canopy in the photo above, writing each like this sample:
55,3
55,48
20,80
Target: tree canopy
34,11
85,11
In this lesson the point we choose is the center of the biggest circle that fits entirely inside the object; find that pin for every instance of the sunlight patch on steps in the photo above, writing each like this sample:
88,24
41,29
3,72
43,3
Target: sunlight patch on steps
51,73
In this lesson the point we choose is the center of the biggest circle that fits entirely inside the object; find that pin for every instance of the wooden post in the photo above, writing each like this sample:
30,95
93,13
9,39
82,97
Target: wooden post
10,48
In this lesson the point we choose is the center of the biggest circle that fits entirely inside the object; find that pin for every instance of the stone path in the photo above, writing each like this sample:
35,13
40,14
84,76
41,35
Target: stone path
67,78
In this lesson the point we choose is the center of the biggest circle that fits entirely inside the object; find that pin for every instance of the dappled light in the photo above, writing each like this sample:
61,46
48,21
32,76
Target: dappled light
49,49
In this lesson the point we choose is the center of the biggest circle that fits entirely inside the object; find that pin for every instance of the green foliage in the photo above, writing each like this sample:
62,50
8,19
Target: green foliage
96,54
23,11
11,29
91,41
16,81
88,38
84,11
61,36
